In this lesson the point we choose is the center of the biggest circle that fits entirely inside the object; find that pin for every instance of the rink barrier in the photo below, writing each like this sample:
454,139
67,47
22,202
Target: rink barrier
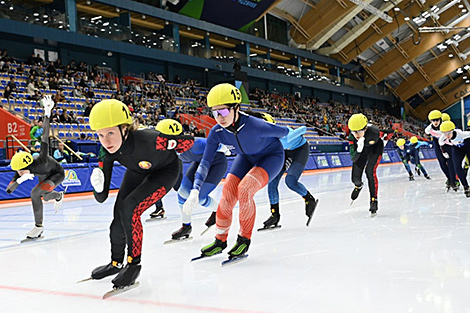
77,175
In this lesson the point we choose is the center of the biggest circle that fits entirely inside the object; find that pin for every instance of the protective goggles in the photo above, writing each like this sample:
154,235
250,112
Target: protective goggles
223,112
435,120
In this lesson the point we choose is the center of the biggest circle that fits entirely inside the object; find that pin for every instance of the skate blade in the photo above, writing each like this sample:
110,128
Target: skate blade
153,219
31,239
206,230
119,290
234,260
204,256
352,201
311,215
84,280
269,228
177,240
372,215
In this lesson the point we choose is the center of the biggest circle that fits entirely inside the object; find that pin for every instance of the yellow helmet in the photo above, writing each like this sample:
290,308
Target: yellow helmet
445,117
109,113
21,160
357,122
447,126
169,127
401,142
434,115
268,118
414,139
223,94
468,123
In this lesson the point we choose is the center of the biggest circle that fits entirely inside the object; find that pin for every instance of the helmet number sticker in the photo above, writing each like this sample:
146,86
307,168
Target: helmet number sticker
27,159
236,95
174,128
125,111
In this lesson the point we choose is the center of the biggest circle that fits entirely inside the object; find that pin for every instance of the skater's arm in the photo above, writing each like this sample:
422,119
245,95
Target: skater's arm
203,169
106,166
45,139
13,184
353,148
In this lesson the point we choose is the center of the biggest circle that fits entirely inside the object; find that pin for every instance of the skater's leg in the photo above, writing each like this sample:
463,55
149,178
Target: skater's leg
254,181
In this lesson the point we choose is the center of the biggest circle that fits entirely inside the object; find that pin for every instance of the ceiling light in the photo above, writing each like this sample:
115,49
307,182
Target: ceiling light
451,55
459,70
464,10
466,67
460,6
143,16
407,18
465,77
467,81
396,9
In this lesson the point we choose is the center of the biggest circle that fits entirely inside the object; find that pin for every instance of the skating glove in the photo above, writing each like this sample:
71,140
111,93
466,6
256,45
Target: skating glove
446,155
97,180
48,104
24,178
223,148
191,202
360,144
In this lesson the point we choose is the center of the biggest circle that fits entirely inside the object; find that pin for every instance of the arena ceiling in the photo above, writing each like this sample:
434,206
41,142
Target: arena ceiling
426,69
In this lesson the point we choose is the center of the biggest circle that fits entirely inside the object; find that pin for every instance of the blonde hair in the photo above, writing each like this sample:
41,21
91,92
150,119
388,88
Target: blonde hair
132,127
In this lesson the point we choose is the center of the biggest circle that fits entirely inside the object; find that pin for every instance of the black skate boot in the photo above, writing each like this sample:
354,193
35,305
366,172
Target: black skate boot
106,270
427,176
456,186
418,171
211,220
128,275
373,207
310,205
356,191
273,220
448,185
214,248
182,233
467,191
158,213
411,177
240,247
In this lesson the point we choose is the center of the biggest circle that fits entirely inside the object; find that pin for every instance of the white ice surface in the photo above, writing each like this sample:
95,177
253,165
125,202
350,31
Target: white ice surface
413,257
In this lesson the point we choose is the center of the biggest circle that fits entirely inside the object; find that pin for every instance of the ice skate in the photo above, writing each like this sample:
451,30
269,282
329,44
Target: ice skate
158,214
411,177
310,206
418,171
58,202
105,270
467,191
427,176
373,207
273,220
448,185
456,186
212,249
34,234
210,222
239,250
181,234
128,275
355,192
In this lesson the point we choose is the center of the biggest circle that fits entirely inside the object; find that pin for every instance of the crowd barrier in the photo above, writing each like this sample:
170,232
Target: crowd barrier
77,175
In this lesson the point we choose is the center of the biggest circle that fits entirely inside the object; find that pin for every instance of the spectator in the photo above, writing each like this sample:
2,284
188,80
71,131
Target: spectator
36,133
61,155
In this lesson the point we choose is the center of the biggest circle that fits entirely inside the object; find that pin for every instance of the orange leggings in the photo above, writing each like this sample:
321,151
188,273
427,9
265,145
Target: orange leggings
240,190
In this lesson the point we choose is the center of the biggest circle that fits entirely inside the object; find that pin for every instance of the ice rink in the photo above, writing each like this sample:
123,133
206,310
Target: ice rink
413,257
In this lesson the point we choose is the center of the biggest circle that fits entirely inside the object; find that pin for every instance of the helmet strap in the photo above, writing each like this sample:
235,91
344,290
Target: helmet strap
123,135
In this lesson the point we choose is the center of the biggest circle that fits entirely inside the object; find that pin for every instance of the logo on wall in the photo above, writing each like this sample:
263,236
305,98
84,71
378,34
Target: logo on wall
71,179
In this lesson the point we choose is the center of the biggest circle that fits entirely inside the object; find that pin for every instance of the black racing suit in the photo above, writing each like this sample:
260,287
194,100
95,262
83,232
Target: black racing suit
152,170
369,159
49,173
